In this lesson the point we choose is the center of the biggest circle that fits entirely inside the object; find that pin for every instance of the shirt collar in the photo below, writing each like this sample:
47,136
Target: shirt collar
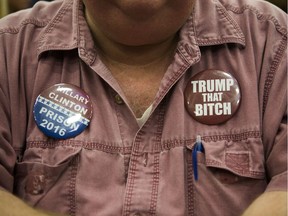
68,30
214,25
209,24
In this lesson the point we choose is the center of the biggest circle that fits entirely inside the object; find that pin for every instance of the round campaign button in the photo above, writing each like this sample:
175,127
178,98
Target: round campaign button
62,111
212,97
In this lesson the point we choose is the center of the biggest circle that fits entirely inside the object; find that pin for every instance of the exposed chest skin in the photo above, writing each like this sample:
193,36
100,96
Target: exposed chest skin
140,84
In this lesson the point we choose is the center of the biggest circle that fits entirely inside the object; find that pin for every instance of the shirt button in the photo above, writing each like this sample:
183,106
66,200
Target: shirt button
118,99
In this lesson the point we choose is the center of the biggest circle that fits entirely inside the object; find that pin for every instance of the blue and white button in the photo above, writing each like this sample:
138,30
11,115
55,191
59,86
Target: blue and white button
63,111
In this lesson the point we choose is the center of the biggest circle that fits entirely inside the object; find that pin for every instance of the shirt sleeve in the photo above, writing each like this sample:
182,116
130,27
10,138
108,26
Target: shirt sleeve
7,153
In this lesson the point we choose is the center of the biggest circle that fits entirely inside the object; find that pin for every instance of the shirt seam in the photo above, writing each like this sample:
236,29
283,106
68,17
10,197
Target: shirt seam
155,185
51,26
250,173
89,145
191,196
236,37
15,30
272,71
72,186
260,16
235,137
239,35
164,145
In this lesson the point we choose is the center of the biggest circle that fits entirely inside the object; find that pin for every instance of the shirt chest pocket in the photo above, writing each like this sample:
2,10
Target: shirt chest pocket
242,158
231,174
45,175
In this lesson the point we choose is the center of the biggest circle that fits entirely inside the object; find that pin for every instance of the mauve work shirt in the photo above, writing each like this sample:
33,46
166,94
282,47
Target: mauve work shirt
116,167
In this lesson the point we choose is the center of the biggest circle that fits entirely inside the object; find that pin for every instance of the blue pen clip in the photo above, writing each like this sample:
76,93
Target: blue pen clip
198,147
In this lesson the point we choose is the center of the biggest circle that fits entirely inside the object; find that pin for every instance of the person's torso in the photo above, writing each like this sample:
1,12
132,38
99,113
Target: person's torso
115,167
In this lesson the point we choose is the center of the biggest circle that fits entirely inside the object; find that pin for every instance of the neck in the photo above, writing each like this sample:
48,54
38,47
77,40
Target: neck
141,55
134,56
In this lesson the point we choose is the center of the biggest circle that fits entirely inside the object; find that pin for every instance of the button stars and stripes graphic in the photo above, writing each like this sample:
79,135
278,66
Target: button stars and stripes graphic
62,110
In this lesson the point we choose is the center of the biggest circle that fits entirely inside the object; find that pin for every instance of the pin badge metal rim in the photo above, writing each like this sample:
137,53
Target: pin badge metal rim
74,133
238,101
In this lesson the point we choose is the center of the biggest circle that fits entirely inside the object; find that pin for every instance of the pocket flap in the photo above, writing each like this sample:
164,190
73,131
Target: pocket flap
244,158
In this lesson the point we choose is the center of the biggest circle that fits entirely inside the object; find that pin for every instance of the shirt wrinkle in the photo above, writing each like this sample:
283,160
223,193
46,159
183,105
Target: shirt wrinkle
204,34
224,30
262,16
55,28
115,167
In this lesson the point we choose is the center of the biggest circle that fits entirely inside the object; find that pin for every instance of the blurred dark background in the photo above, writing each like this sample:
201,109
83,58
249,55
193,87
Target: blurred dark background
280,3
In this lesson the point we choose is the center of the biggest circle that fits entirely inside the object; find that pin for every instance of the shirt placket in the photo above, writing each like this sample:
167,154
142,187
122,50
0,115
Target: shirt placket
143,172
